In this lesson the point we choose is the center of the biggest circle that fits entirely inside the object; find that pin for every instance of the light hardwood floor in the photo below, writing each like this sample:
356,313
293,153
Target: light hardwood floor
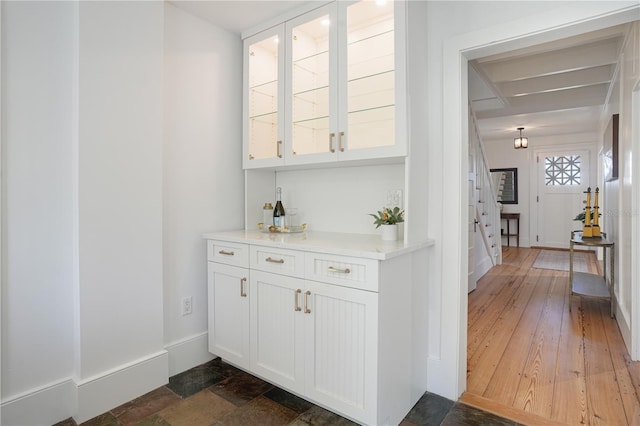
531,360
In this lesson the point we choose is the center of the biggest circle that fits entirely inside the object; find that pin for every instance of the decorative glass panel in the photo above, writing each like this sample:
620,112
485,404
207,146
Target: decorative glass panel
263,98
371,78
562,170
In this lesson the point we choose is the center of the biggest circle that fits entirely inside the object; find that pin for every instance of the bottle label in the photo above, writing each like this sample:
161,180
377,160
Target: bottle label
278,221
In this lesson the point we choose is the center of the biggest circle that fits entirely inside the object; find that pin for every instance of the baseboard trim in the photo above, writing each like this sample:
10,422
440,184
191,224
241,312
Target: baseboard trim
188,353
45,405
87,398
103,392
483,267
519,416
623,324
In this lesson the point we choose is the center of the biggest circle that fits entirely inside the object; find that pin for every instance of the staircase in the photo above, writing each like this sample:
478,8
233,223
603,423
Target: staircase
487,206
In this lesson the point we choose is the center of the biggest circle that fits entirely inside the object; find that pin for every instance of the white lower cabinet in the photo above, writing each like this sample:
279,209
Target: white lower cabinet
330,328
340,349
228,297
318,340
276,329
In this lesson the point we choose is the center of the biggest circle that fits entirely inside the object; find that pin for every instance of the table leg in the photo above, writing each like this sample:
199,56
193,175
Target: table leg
570,274
611,289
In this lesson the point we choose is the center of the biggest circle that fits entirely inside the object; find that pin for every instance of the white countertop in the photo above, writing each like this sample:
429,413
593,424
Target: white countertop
358,245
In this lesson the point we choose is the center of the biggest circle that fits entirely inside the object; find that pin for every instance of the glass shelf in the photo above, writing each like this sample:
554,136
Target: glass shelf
372,127
269,117
307,94
269,88
311,136
309,63
374,37
308,122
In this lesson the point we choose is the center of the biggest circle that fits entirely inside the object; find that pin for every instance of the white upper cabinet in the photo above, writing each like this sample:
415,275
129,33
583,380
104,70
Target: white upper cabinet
311,89
263,101
344,87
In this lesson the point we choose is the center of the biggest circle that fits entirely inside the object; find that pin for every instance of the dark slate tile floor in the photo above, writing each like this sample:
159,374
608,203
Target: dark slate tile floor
218,394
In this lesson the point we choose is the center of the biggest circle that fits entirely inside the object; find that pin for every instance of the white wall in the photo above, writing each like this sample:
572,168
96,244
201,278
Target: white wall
82,207
203,178
119,289
340,199
120,183
37,281
500,154
619,216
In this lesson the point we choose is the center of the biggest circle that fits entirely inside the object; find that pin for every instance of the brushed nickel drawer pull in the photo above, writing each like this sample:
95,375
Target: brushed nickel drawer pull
268,259
278,145
226,253
340,147
295,301
342,271
242,292
331,136
306,302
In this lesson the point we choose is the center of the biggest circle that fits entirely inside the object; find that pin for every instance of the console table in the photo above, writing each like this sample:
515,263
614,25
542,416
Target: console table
508,217
592,285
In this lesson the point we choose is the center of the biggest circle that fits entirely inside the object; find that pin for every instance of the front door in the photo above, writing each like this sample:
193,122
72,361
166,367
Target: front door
562,179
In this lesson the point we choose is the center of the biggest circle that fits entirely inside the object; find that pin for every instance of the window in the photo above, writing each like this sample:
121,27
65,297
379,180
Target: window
562,170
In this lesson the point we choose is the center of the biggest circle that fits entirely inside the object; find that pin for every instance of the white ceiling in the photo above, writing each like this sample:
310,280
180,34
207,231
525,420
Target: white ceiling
239,15
549,89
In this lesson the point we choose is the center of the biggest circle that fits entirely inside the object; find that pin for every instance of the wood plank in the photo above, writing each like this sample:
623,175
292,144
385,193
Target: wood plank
535,391
483,362
604,402
503,386
483,324
491,285
570,394
625,377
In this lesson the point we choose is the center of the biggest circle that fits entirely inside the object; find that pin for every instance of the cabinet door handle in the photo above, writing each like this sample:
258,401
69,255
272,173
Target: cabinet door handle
242,292
340,147
296,305
278,147
270,260
342,271
306,302
331,136
226,253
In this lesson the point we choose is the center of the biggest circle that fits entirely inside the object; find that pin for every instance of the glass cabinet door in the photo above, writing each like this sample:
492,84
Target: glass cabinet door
368,59
263,97
312,75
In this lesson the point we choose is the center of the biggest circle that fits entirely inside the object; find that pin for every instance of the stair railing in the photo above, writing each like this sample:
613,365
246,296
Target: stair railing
487,206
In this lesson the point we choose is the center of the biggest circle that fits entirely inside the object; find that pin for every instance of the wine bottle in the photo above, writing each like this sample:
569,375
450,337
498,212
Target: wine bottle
278,210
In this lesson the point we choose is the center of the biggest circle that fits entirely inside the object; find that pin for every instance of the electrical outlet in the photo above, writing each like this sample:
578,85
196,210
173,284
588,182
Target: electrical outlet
394,198
187,305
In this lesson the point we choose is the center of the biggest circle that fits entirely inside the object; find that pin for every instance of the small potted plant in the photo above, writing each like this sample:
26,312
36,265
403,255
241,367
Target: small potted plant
388,218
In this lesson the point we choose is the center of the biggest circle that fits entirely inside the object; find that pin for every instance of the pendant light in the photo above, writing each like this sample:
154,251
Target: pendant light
521,142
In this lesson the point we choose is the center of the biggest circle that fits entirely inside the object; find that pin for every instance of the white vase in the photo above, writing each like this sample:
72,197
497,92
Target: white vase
389,232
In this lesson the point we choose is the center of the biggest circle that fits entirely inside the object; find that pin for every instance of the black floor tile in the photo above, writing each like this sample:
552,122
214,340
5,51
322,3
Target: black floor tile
317,416
201,377
288,400
240,388
431,409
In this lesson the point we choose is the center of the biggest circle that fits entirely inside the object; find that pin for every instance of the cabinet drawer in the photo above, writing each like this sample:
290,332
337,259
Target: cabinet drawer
279,261
342,270
229,253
